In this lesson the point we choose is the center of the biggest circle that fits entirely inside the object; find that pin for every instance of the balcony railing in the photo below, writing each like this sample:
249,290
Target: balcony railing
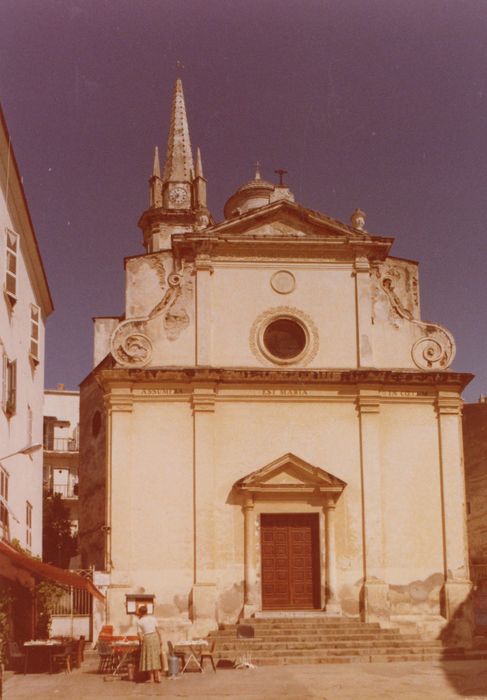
65,490
62,445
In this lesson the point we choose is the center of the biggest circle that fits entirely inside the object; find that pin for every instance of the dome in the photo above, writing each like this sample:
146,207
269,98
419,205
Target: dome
254,194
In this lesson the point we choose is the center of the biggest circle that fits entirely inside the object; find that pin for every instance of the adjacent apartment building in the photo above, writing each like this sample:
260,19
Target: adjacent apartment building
25,304
61,448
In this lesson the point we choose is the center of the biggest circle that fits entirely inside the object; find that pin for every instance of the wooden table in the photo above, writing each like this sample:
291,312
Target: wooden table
41,649
122,651
195,647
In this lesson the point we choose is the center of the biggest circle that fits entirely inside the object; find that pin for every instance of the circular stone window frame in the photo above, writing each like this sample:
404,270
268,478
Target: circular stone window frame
259,326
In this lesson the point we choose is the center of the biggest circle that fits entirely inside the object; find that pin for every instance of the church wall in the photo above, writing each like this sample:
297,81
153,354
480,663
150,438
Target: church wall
92,475
152,507
265,432
413,553
323,294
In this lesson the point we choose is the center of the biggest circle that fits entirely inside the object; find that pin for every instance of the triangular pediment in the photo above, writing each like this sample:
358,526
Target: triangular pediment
286,218
290,473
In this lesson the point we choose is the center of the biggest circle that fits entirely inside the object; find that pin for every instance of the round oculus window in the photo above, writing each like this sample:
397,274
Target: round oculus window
285,339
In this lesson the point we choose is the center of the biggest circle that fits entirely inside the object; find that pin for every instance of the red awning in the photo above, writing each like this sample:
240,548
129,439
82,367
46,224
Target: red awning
53,573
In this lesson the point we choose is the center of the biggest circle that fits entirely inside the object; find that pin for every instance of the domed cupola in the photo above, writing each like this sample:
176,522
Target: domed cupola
254,194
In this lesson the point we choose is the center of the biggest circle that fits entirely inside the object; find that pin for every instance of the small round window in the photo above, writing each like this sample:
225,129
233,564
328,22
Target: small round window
285,339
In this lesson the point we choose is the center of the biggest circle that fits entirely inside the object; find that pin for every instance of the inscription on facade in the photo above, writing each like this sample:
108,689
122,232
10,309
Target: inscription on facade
404,393
284,392
160,392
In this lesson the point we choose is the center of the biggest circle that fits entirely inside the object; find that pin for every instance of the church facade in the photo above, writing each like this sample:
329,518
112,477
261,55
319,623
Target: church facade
270,428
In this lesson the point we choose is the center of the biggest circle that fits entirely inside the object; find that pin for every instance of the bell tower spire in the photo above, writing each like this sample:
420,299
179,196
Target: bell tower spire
179,158
177,199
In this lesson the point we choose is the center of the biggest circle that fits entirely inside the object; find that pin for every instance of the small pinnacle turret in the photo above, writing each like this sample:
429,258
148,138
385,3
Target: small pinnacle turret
156,169
155,182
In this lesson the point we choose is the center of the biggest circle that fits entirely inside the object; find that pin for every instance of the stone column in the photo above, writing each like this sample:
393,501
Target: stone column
250,584
332,602
457,584
363,301
203,296
204,587
375,591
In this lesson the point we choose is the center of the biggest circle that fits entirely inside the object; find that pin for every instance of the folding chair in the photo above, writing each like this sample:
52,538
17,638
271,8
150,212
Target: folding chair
208,654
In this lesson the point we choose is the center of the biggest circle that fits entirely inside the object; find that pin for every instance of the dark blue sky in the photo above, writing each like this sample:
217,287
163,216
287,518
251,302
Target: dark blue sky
380,104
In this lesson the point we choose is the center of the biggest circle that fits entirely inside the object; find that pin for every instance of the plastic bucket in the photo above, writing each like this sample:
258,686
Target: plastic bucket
172,666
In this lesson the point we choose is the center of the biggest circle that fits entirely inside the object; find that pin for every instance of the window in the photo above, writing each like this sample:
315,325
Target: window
28,525
9,395
4,526
11,271
34,334
285,339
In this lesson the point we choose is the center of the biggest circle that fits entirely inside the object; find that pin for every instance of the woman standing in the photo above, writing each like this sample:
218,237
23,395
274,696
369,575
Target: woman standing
150,640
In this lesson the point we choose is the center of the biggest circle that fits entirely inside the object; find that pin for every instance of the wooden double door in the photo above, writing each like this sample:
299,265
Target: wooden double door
290,555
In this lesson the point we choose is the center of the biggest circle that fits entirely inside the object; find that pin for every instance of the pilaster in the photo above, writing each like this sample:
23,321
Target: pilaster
250,583
332,603
204,587
203,297
119,407
365,353
457,584
375,591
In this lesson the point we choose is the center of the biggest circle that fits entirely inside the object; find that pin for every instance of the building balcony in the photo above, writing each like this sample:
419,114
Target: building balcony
61,445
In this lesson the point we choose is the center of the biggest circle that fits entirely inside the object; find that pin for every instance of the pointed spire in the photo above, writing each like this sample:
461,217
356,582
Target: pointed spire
156,169
155,182
179,158
257,171
198,172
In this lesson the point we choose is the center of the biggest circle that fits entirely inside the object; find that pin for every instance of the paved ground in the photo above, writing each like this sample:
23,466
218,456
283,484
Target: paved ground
392,681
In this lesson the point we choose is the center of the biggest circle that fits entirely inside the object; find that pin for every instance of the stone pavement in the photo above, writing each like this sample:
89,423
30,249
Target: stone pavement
357,681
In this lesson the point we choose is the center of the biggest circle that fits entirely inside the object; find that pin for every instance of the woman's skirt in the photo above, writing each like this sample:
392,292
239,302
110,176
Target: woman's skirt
150,654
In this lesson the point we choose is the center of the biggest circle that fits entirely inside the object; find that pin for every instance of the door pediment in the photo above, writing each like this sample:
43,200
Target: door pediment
290,474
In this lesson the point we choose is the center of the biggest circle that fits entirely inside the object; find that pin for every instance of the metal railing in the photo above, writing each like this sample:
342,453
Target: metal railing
62,444
72,602
65,490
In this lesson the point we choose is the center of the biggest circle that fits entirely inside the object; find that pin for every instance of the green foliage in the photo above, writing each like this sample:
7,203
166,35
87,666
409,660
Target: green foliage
59,545
7,597
47,595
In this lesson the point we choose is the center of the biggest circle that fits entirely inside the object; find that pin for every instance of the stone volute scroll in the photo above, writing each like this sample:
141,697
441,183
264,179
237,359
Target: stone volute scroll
131,344
435,348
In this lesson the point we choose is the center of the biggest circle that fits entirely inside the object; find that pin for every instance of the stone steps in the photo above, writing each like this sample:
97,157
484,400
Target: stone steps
311,641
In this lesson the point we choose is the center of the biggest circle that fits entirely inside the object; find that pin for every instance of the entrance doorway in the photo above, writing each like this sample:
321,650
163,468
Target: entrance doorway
290,554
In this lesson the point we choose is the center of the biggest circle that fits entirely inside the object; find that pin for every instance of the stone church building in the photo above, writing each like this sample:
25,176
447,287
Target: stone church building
270,426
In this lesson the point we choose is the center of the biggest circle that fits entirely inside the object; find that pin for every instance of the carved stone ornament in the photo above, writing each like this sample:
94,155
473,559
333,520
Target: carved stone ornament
306,330
436,349
283,282
130,344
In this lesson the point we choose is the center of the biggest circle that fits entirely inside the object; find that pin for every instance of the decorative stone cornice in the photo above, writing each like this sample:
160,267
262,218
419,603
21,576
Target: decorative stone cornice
368,404
119,404
203,399
449,405
455,381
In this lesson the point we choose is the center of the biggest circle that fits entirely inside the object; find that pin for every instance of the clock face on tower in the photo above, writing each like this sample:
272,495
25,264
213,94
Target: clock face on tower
178,195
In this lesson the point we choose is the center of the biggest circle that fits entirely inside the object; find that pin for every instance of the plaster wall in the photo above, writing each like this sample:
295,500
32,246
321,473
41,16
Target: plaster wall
24,427
92,475
241,293
153,484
